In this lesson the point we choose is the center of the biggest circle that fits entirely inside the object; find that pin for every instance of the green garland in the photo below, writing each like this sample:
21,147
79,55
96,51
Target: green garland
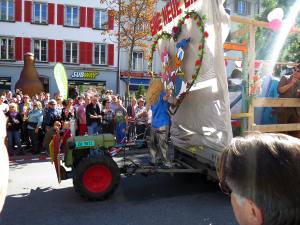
176,31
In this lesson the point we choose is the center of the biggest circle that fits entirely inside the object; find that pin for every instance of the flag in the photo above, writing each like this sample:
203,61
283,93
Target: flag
61,79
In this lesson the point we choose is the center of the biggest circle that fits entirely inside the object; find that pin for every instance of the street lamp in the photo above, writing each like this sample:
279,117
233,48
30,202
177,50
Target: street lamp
119,36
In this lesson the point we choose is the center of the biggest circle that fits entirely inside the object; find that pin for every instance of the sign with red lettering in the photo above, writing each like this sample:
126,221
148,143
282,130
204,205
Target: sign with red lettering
170,12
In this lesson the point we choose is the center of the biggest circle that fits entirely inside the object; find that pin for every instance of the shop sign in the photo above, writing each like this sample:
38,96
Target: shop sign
85,74
172,10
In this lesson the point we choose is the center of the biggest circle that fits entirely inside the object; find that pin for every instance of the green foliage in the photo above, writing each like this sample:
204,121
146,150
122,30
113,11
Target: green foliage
141,91
265,38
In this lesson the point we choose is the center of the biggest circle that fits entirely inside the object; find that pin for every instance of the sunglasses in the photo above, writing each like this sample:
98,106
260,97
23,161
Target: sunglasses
225,188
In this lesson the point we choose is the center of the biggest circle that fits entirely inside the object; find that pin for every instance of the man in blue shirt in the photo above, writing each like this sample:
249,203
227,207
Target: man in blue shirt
160,131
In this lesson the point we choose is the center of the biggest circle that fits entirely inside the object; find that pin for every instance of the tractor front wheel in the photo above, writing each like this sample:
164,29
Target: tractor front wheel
96,178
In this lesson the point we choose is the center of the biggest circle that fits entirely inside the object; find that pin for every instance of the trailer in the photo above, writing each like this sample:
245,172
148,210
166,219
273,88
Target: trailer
191,35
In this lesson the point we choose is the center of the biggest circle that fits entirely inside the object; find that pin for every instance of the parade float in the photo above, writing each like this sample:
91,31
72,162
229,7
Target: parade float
188,38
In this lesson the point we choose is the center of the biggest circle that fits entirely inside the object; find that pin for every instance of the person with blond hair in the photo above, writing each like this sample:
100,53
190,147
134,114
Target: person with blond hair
14,126
34,123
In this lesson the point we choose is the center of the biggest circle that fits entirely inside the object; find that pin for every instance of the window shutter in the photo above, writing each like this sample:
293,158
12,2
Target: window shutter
110,19
51,51
60,14
90,18
82,53
110,54
26,45
51,13
89,53
82,16
28,9
18,49
59,51
18,10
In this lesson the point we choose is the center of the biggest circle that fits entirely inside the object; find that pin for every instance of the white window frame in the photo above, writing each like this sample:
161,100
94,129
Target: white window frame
71,52
7,49
94,59
139,63
100,18
39,58
40,20
257,8
72,16
7,11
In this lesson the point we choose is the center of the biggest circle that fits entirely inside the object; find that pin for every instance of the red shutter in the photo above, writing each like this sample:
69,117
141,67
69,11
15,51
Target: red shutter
89,53
82,52
110,54
59,51
60,14
90,17
82,16
28,9
18,49
110,19
51,51
18,10
26,45
51,13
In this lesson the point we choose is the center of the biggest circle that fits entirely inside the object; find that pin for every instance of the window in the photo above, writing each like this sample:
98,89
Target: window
100,54
39,13
7,10
241,7
6,48
72,16
40,50
100,19
71,52
137,61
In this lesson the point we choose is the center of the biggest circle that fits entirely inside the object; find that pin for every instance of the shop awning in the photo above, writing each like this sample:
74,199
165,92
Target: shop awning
136,82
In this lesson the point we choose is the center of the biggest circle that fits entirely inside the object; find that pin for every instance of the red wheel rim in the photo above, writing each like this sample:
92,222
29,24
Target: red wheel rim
97,178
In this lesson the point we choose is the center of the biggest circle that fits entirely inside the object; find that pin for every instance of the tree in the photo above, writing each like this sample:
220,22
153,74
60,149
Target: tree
133,19
265,38
141,91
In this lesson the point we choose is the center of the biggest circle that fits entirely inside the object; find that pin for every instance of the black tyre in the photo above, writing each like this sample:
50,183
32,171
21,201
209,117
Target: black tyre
96,178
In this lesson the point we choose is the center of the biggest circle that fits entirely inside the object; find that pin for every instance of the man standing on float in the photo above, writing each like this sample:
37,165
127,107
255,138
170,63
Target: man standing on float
160,126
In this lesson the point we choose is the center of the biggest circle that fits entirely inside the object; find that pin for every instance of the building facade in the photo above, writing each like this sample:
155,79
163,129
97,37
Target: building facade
248,8
78,34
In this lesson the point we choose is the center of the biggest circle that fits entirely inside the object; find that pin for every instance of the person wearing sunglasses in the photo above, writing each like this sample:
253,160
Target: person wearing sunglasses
261,174
35,119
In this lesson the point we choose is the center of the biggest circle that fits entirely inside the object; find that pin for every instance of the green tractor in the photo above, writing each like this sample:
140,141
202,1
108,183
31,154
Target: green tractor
91,162
95,174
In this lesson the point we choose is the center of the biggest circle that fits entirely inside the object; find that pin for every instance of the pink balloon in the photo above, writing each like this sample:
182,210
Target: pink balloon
275,25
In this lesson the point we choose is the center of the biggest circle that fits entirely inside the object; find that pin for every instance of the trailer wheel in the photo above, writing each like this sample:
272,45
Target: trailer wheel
96,178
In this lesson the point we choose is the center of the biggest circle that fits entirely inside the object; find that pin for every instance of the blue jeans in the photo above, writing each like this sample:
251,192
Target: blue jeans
13,137
94,128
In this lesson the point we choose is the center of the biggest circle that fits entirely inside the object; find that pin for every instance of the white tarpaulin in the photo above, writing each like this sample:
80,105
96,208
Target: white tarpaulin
203,118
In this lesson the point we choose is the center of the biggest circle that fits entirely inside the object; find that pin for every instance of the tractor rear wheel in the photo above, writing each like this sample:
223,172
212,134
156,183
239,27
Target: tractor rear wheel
96,178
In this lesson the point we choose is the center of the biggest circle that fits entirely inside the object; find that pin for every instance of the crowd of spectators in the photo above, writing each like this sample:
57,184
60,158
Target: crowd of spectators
32,120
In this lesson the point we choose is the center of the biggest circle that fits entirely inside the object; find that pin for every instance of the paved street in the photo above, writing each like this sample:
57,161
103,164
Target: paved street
35,198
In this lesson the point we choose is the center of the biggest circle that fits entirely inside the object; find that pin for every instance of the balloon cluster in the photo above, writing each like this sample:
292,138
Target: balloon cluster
275,18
